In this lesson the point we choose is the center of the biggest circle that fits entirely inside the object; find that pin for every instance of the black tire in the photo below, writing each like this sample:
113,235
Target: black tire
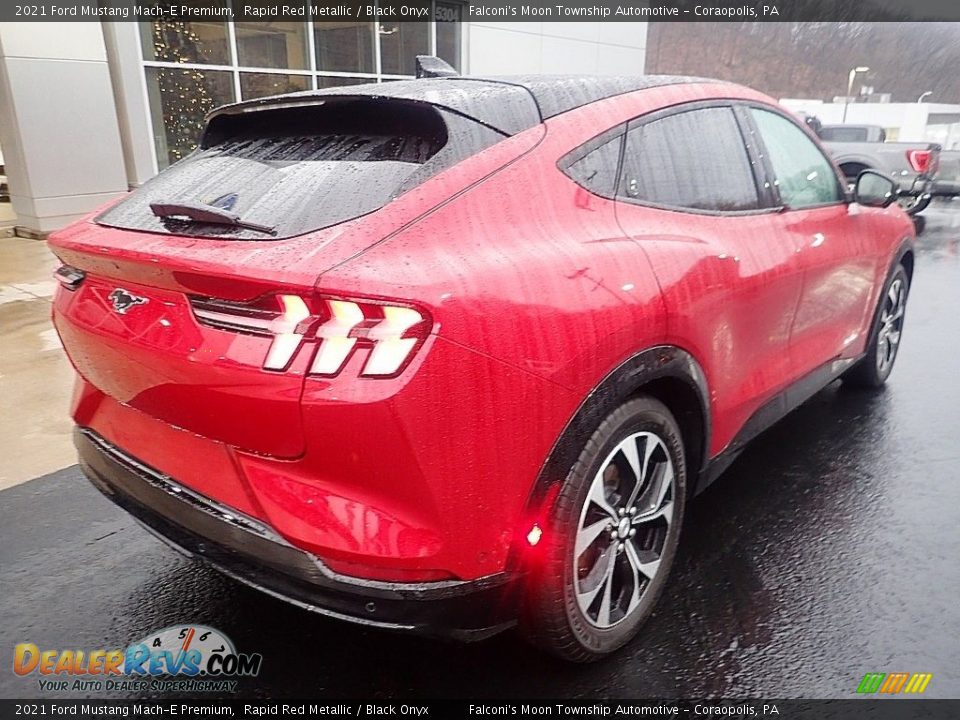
876,365
552,616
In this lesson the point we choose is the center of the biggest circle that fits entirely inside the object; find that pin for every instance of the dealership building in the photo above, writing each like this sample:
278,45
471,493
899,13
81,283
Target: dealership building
91,109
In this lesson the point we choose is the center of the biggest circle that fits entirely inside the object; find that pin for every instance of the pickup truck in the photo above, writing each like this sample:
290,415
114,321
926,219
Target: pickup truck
923,170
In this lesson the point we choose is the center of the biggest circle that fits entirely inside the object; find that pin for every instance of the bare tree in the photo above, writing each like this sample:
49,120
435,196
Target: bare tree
807,59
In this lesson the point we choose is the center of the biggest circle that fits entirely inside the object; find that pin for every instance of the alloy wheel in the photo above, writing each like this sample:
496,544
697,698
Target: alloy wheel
623,529
891,325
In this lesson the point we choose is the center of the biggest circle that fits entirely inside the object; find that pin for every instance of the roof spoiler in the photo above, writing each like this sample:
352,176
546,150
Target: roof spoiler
430,66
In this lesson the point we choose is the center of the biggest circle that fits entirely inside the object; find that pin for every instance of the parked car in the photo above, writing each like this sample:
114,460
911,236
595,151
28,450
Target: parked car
451,353
922,170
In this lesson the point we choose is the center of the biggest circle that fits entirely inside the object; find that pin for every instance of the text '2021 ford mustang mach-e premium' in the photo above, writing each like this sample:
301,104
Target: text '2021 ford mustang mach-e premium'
453,353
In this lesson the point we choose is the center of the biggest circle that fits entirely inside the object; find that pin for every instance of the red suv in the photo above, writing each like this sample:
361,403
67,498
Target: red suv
451,353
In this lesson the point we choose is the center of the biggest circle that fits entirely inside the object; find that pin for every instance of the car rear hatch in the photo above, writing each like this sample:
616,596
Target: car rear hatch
196,317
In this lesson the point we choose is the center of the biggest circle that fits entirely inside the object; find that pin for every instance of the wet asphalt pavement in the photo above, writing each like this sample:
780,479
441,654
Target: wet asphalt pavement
830,549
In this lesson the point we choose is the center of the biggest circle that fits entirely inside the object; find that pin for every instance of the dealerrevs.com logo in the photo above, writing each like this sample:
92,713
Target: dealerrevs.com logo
178,658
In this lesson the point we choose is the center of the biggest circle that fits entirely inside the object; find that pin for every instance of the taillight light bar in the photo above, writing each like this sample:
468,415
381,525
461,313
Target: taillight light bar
287,332
392,333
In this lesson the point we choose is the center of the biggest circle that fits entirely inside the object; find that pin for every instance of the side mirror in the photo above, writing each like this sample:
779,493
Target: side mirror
875,189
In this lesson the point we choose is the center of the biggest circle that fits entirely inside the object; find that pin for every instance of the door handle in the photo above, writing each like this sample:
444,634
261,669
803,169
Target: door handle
818,240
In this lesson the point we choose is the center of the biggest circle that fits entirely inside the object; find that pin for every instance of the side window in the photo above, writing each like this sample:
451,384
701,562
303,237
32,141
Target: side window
804,176
694,159
597,170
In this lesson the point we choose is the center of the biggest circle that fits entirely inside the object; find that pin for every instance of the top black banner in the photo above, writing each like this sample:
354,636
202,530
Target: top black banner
484,10
726,709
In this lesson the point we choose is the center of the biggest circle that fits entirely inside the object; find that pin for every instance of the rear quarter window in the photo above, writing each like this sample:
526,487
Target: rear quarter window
594,165
301,169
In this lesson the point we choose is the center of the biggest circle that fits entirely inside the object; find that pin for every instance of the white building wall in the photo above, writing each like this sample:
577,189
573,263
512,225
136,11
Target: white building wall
603,48
908,120
58,124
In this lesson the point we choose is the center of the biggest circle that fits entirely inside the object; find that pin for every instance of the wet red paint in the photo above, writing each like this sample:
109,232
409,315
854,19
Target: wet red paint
537,290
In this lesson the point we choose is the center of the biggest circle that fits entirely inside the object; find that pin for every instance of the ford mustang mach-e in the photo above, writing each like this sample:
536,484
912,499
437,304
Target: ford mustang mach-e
451,353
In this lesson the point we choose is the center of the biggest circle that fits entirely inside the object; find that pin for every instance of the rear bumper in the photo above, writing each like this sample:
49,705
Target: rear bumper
249,551
944,188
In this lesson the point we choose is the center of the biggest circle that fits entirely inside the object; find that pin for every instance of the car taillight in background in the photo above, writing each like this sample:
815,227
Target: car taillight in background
923,162
391,333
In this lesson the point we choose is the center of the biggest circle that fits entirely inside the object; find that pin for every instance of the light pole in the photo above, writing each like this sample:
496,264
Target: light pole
850,78
920,99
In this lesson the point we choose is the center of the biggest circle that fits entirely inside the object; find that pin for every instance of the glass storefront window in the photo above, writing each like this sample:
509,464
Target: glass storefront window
327,81
179,100
185,42
254,85
272,45
400,43
448,16
258,59
345,47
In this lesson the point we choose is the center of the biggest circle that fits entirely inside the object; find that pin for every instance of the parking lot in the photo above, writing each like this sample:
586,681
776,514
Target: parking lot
828,550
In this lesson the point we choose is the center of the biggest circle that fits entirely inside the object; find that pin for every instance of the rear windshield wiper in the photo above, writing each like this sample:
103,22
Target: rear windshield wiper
206,214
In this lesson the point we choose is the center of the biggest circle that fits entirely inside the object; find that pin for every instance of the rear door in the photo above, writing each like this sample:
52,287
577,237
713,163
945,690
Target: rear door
691,195
835,245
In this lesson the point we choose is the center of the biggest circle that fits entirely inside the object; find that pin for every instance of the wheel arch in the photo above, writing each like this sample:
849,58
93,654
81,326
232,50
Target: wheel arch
667,373
903,256
906,258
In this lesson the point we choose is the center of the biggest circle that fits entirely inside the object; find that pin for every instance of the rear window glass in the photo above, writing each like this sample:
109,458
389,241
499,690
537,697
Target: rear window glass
300,169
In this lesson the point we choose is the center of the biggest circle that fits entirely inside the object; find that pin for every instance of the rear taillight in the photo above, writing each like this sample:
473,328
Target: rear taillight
922,161
285,318
391,334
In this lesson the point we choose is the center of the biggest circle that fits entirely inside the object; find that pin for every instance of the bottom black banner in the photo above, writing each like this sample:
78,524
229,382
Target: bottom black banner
892,709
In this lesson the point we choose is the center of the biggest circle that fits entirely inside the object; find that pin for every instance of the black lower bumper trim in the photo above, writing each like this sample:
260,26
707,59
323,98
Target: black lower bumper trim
251,552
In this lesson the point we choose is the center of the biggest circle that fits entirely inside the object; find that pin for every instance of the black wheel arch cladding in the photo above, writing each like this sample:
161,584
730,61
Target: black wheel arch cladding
666,373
